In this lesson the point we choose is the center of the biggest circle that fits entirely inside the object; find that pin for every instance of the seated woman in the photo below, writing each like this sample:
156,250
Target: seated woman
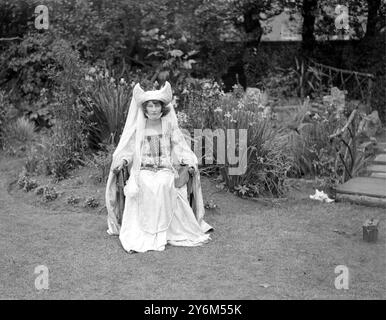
156,212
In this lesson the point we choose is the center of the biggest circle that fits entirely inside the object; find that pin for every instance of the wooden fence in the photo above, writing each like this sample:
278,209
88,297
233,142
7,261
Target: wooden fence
357,84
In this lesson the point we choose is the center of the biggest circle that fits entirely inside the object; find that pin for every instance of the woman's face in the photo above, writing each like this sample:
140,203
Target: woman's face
153,109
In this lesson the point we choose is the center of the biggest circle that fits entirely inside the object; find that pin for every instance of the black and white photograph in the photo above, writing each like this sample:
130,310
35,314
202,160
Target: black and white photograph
204,152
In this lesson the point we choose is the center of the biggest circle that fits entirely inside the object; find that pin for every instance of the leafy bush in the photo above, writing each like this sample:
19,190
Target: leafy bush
107,104
18,135
48,193
67,141
378,97
175,57
308,140
26,183
199,99
22,130
24,66
91,202
101,161
267,161
3,108
312,152
73,200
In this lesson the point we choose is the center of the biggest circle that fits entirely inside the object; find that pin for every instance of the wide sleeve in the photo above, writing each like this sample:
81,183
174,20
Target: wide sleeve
181,149
128,152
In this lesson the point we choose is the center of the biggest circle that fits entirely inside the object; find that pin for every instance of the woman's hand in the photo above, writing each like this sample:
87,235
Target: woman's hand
120,166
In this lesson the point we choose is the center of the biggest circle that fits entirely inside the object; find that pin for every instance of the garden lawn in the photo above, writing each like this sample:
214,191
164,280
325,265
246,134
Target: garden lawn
259,250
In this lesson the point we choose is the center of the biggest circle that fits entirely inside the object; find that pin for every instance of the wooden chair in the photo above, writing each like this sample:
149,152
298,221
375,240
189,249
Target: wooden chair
123,175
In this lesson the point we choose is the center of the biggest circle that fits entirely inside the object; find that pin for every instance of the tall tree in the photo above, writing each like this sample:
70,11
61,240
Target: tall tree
309,9
374,19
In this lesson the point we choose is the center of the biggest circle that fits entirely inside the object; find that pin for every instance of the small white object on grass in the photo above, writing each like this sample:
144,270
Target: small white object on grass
321,196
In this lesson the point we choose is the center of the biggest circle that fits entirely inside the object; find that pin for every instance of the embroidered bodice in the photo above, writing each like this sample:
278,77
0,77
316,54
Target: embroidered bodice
156,151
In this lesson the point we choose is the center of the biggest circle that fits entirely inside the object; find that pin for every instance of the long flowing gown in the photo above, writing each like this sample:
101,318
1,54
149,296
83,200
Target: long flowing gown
161,213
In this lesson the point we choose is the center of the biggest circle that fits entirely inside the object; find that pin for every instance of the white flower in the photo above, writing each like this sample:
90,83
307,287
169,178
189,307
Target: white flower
92,70
218,109
206,86
112,80
228,115
122,81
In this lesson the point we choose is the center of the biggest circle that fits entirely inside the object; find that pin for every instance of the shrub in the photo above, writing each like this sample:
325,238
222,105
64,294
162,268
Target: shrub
73,200
267,162
199,99
26,183
22,130
48,193
3,108
18,135
309,144
66,147
91,202
107,104
101,161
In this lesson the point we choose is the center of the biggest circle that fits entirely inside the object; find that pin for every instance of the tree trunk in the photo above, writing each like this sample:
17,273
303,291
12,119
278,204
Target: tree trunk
308,13
372,17
254,31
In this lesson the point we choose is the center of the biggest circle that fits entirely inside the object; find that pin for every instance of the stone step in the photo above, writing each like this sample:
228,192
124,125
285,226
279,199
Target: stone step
376,168
365,186
380,159
378,175
380,147
362,200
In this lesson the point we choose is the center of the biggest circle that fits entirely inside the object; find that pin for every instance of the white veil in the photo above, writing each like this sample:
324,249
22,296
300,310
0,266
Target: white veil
129,148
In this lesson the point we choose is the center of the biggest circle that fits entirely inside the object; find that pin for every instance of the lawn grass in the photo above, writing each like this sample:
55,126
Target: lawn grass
286,250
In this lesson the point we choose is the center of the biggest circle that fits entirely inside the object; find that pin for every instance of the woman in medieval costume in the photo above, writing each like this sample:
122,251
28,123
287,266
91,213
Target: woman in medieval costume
156,212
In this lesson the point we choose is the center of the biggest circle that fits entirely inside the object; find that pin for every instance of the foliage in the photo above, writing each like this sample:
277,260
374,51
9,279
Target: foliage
25,182
309,144
73,200
308,139
3,111
67,142
48,193
91,202
66,146
107,103
198,101
22,130
325,25
281,83
24,68
379,97
267,162
101,161
175,56
18,135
